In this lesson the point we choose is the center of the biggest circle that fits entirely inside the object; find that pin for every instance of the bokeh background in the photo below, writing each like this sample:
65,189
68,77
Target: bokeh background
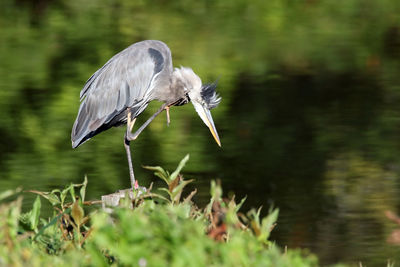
309,121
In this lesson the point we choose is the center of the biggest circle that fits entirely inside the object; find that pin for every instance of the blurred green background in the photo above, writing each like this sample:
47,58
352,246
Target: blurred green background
309,121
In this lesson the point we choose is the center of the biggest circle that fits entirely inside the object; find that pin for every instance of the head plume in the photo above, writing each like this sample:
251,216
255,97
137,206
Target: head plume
209,95
204,94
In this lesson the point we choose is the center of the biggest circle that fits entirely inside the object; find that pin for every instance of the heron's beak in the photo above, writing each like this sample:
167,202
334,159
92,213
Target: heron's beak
205,115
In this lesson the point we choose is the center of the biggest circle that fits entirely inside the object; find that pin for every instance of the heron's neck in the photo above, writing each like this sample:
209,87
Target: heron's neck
177,93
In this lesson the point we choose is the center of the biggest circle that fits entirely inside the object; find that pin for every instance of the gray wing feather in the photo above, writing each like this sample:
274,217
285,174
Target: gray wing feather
126,80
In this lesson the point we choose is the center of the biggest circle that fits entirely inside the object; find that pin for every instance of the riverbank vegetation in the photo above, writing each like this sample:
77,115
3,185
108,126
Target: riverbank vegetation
160,227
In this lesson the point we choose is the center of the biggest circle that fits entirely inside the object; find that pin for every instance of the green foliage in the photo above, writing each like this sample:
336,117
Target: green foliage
156,232
32,217
165,235
58,197
174,181
263,228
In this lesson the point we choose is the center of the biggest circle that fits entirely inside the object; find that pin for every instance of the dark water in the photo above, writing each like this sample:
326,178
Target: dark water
309,121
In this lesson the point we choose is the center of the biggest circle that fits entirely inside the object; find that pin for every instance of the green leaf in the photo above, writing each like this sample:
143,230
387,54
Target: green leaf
155,195
180,166
33,216
165,179
238,206
64,193
82,191
53,199
169,193
72,191
158,171
177,191
267,223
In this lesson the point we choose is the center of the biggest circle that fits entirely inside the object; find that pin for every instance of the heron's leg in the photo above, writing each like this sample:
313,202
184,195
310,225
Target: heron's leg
130,124
128,154
130,136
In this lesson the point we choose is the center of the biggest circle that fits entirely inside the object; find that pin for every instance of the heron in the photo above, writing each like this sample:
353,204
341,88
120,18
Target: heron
118,92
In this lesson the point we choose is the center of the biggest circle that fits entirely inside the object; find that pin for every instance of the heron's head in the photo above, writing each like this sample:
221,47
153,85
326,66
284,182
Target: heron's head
203,96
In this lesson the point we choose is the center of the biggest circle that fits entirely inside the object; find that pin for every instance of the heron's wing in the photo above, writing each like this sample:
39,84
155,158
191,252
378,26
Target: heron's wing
126,80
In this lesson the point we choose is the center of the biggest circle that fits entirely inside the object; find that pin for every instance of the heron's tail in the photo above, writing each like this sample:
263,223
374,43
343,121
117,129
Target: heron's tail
88,125
80,129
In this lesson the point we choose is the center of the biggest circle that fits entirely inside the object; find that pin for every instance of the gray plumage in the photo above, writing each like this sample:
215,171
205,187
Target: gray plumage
131,79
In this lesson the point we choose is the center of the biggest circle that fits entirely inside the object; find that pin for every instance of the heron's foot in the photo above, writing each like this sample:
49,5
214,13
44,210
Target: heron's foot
136,187
138,190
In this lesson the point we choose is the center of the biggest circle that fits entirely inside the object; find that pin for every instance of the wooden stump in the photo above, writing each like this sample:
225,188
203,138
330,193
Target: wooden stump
113,200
